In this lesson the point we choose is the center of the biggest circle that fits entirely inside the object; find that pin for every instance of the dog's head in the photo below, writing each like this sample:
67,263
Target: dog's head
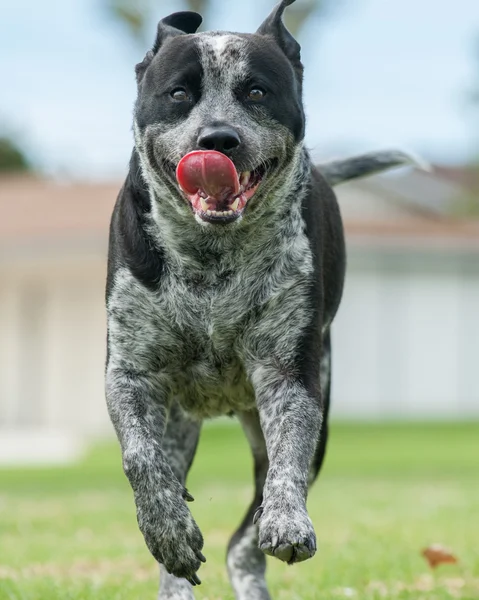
219,116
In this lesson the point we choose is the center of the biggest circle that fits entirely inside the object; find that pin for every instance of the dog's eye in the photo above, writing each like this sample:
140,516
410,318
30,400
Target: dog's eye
179,94
256,94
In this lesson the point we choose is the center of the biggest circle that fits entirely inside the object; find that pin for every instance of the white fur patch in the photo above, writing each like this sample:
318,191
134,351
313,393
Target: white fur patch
245,571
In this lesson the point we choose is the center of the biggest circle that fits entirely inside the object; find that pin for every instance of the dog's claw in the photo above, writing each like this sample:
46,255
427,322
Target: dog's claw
257,514
194,580
187,496
201,556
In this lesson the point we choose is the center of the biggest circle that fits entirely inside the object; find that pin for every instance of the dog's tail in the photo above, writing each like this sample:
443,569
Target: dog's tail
362,165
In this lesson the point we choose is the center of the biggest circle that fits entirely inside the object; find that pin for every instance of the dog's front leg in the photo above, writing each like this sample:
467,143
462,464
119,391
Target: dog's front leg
137,403
290,418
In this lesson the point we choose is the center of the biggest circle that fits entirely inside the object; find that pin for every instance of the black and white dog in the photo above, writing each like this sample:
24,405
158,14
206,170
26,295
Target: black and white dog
226,269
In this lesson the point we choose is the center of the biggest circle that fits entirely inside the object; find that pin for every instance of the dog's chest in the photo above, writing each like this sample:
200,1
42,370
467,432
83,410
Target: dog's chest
188,331
208,376
199,333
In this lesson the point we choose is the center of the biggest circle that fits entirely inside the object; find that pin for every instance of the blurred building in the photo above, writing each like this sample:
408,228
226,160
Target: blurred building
406,339
53,241
405,342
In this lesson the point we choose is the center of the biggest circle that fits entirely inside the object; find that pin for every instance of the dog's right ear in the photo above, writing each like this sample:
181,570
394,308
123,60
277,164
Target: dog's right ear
273,26
179,23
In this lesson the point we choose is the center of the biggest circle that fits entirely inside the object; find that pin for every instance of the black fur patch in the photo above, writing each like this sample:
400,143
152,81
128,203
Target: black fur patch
269,68
130,244
175,65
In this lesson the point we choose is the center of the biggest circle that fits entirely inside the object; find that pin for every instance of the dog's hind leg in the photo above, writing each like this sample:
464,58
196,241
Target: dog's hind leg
246,562
179,444
325,377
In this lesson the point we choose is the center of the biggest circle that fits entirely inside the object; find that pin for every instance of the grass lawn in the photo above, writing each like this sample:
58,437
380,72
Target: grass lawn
387,491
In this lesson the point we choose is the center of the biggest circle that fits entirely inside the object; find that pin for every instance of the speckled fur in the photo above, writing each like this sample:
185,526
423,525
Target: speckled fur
245,560
206,321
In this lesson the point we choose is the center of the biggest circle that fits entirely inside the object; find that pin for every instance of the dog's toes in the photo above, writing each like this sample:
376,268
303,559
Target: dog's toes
288,536
289,553
284,552
301,552
268,549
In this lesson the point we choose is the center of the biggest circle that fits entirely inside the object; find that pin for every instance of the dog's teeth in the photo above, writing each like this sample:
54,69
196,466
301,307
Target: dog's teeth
245,178
220,213
234,206
204,205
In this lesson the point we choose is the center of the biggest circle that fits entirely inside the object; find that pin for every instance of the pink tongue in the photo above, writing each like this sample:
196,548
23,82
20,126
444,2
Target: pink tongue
208,171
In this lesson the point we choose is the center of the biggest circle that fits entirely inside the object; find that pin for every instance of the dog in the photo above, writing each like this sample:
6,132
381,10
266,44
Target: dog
225,271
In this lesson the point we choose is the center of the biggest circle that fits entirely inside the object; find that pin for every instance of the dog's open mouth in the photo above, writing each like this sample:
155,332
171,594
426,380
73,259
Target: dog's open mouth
216,191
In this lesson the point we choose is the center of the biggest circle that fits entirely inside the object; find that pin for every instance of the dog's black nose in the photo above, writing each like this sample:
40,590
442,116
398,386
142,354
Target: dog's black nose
220,138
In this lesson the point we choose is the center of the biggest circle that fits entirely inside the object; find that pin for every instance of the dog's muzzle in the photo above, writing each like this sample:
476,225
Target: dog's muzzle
216,191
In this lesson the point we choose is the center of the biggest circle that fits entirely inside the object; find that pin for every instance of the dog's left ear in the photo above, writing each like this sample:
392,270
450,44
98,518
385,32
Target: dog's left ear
179,23
274,26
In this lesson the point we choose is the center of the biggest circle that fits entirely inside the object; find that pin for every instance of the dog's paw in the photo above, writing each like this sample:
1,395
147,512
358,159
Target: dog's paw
173,537
287,535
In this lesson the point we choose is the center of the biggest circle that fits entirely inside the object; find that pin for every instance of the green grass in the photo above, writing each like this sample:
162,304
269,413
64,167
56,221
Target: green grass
386,492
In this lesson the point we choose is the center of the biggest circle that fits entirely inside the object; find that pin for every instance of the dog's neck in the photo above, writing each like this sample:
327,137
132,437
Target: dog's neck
195,249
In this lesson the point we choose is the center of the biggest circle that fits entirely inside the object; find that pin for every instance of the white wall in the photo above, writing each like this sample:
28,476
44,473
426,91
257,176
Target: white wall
52,344
406,339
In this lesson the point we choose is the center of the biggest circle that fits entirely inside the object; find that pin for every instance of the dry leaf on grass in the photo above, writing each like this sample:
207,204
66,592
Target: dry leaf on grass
437,555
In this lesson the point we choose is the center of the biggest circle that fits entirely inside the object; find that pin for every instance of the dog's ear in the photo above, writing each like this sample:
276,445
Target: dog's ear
274,26
179,23
176,24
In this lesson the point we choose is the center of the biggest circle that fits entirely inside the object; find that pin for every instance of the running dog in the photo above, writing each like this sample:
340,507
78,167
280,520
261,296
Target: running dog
226,268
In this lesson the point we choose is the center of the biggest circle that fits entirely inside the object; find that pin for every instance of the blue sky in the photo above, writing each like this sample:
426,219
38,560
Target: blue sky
379,73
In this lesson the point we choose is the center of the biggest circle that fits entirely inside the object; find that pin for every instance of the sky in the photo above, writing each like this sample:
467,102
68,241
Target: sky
378,74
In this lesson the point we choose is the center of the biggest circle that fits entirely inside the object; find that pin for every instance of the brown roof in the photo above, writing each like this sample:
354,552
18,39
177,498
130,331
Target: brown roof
39,208
33,209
